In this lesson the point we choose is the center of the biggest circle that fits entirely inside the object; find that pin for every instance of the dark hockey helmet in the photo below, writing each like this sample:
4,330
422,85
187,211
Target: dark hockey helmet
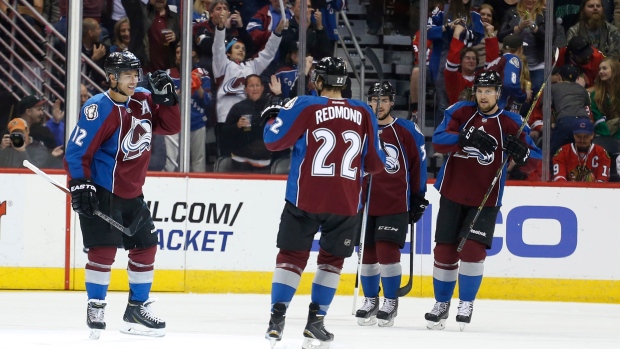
117,62
381,89
488,79
332,70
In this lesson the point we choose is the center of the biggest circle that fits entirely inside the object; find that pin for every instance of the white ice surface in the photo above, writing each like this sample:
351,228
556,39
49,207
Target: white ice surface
58,320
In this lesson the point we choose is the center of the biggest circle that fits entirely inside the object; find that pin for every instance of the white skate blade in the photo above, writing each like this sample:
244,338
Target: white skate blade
386,323
436,325
462,326
272,342
94,334
371,321
312,343
139,330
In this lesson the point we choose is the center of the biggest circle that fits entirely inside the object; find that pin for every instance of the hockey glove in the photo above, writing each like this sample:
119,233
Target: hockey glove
478,139
162,88
272,110
417,205
84,197
519,151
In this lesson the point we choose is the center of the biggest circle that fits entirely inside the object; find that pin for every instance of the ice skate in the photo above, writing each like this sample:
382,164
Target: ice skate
316,335
388,312
463,317
141,320
367,314
95,317
436,318
276,324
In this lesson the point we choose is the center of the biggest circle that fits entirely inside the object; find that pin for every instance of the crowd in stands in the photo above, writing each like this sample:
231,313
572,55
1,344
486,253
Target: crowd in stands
245,53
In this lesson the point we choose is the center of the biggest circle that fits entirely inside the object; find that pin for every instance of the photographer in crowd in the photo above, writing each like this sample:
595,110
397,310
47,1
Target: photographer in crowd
17,146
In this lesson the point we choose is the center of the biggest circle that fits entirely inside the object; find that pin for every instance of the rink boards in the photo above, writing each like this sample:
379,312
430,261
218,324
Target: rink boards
217,234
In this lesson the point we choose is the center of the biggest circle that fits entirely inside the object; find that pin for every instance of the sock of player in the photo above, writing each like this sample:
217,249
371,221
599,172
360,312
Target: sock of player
326,279
97,273
391,275
286,276
388,254
324,287
370,276
470,279
140,270
444,282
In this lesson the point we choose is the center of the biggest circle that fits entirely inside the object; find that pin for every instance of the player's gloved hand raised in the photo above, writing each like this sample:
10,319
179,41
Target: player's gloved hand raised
274,106
516,148
473,137
84,197
417,205
162,88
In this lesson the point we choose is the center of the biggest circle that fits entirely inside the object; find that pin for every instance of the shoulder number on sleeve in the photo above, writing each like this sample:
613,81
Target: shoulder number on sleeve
78,136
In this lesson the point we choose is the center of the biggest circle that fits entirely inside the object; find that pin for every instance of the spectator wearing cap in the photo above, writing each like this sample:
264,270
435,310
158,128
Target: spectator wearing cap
231,67
605,97
513,70
527,21
580,53
18,146
571,104
204,34
155,29
592,25
30,108
581,161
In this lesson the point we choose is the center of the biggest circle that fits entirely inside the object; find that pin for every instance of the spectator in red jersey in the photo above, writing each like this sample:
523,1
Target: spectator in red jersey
266,20
581,161
462,62
580,53
155,29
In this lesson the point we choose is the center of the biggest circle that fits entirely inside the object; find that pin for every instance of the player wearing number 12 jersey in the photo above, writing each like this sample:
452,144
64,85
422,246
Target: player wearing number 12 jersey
335,141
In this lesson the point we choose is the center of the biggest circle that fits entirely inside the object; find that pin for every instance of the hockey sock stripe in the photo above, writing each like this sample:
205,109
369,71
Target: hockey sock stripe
329,268
290,266
286,277
139,265
370,269
472,269
97,277
447,275
140,277
327,279
388,270
90,265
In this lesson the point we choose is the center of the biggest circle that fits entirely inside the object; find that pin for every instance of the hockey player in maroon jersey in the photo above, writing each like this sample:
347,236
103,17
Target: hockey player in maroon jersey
476,136
335,141
107,157
396,199
581,161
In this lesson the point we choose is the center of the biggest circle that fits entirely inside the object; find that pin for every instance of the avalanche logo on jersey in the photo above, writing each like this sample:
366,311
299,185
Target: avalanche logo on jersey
234,87
392,165
138,139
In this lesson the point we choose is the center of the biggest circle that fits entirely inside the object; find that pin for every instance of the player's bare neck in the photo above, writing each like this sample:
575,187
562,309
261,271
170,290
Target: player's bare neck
331,94
388,120
117,97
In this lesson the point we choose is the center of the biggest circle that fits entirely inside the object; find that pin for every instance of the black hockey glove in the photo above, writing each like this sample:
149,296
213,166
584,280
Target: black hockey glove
162,88
417,205
478,139
519,151
84,197
273,108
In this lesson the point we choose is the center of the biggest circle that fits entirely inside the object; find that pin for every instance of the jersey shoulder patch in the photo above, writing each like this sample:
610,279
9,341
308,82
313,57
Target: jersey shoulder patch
515,61
91,112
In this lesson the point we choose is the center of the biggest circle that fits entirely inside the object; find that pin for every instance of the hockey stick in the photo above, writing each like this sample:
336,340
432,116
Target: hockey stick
112,222
403,291
370,54
501,168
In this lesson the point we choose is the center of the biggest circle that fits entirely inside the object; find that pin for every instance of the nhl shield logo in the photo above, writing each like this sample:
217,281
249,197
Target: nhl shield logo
347,242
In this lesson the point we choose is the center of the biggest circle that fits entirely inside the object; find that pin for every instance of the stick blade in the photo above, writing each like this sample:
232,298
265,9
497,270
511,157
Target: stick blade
374,60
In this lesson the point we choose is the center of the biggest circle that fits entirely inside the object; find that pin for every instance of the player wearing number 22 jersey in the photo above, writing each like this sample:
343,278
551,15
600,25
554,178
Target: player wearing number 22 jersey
334,141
